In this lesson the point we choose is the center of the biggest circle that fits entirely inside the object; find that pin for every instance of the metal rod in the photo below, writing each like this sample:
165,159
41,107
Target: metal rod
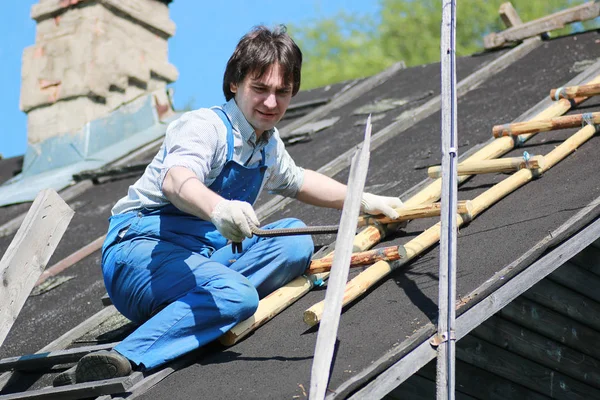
447,271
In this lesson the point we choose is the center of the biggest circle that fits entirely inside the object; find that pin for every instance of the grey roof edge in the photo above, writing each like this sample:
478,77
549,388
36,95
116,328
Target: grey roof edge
412,354
344,98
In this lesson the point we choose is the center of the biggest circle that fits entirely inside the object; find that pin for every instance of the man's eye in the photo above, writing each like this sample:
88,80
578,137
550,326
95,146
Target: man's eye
259,89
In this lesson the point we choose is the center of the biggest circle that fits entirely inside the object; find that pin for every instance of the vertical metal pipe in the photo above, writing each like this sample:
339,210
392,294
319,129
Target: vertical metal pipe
447,271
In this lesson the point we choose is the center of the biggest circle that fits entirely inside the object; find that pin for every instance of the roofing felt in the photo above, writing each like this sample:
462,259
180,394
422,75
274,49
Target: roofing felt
275,361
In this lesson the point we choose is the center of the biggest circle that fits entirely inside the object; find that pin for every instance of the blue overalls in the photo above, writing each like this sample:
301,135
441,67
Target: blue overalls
163,257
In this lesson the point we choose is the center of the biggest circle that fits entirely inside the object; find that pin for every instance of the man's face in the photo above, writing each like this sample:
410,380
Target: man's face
263,101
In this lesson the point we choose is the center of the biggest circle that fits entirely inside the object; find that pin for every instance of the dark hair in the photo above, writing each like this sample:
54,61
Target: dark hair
257,51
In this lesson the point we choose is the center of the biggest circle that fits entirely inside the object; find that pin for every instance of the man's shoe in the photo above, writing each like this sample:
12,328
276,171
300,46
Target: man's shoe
101,365
65,378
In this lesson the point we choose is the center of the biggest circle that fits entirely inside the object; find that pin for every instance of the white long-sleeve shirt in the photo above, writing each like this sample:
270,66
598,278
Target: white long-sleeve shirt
198,141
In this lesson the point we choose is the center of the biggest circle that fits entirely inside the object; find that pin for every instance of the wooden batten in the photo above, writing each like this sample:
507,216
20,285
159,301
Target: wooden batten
571,92
509,15
569,121
28,253
491,166
551,22
413,212
391,253
281,298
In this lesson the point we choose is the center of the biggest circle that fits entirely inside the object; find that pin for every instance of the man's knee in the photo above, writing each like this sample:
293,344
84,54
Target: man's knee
238,298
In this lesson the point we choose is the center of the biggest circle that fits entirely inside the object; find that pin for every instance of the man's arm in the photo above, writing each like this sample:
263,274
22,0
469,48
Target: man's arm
320,190
186,192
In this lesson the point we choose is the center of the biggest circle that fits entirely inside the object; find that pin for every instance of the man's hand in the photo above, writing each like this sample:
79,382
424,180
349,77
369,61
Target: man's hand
375,205
231,219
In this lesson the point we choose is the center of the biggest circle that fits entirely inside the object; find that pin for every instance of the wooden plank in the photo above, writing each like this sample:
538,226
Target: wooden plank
409,118
553,325
579,280
509,15
80,390
71,259
65,340
149,381
407,364
41,361
566,302
521,370
589,259
589,10
481,384
340,269
29,252
538,348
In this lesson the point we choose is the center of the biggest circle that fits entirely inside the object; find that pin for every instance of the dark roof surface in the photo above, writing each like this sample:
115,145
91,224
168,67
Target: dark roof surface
275,361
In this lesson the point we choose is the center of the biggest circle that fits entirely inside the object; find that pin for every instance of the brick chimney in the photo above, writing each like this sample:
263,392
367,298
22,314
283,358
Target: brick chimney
90,57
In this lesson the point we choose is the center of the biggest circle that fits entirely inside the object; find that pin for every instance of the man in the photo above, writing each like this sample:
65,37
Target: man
166,262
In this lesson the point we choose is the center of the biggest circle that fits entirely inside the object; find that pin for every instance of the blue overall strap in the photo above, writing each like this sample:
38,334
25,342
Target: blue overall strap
228,125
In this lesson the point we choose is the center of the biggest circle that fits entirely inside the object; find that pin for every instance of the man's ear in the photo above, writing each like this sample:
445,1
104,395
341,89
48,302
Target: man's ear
233,87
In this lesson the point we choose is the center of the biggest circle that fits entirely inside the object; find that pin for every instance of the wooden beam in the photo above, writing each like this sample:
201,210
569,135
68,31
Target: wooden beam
589,10
570,92
66,339
79,390
549,353
408,213
327,334
503,165
509,15
521,370
546,322
29,252
565,122
391,253
71,259
42,361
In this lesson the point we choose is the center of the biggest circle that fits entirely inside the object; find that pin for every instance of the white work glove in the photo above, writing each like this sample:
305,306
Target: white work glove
375,205
231,219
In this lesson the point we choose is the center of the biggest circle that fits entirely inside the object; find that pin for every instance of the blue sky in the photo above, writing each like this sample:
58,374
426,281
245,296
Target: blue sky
207,32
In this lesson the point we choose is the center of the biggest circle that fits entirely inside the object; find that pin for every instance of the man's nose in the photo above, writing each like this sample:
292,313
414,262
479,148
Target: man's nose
271,101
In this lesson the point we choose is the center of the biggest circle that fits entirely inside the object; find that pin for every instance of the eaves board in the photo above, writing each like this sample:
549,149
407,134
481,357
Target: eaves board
400,305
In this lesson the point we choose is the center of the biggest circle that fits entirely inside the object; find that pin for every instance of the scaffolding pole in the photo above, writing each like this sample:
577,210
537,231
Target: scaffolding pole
445,339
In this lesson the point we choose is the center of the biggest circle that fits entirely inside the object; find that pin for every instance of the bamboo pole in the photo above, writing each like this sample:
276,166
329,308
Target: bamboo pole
368,257
283,297
429,237
413,212
571,92
372,235
568,121
511,164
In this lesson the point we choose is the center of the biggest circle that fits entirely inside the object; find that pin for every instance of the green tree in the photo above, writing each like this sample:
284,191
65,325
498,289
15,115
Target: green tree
350,46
